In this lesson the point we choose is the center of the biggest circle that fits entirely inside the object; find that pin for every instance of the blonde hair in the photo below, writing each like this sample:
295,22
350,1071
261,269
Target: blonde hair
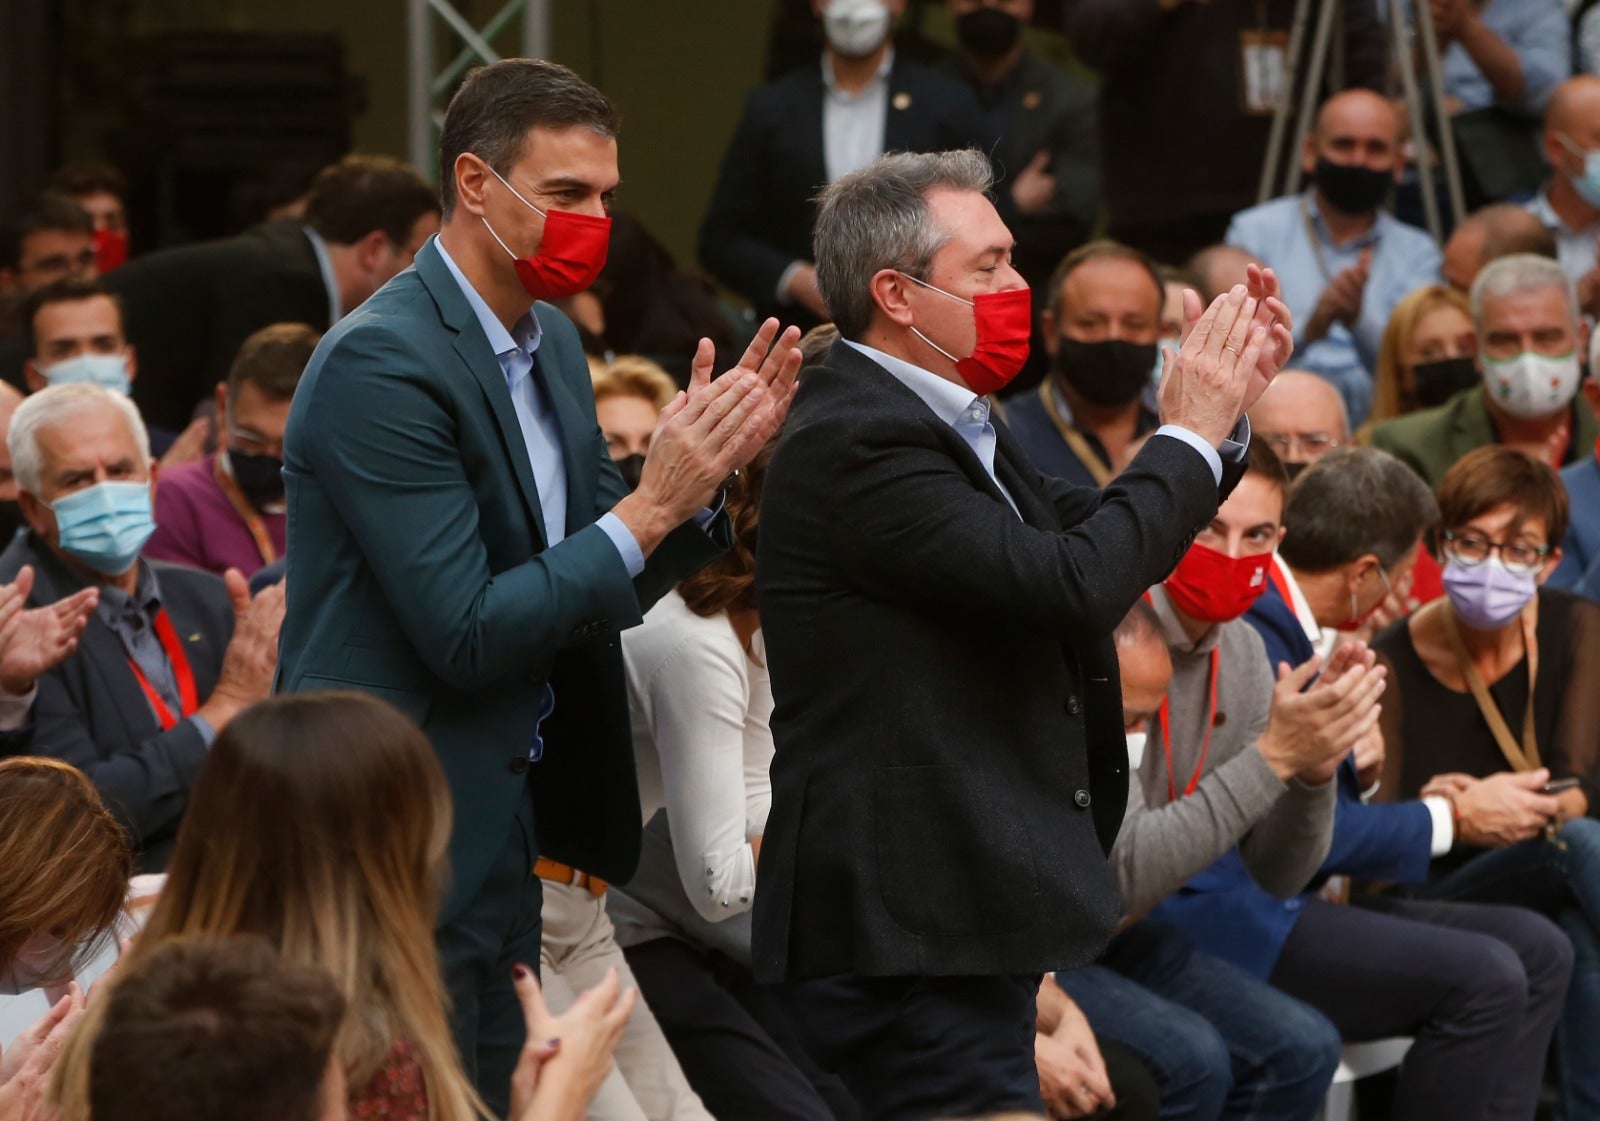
320,822
1393,391
64,863
632,375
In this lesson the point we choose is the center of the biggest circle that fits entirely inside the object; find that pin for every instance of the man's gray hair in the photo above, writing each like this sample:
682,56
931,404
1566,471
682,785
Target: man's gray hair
1351,502
876,218
55,405
1516,274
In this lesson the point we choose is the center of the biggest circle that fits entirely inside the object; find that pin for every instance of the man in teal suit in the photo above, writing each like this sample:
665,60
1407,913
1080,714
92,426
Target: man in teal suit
460,543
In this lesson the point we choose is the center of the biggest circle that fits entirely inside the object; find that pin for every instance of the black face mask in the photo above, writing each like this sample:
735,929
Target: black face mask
988,32
11,520
632,468
1434,383
1351,188
1108,373
260,477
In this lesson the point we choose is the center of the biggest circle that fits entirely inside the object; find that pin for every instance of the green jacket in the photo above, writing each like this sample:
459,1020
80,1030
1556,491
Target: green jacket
1430,441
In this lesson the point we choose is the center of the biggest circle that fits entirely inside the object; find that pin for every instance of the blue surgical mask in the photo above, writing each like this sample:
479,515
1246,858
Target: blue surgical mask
105,526
1587,181
108,371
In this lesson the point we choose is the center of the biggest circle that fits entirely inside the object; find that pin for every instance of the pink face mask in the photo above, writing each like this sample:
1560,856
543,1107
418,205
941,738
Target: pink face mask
571,253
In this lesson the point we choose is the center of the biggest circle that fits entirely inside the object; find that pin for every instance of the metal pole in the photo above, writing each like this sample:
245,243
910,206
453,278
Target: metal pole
1447,138
420,142
1419,134
536,29
469,34
1286,101
464,57
1308,103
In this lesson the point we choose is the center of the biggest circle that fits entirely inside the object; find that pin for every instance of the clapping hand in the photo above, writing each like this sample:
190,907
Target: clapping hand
34,640
566,1057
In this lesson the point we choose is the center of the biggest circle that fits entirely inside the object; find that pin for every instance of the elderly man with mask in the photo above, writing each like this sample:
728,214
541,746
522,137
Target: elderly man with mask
938,834
165,662
1343,260
1568,204
1101,326
1530,337
1302,418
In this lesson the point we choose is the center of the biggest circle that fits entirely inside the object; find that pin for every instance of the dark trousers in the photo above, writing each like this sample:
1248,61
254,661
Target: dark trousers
497,929
919,1048
732,1041
1480,988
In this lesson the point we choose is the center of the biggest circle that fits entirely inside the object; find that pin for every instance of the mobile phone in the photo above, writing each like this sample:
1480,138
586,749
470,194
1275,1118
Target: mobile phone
1559,786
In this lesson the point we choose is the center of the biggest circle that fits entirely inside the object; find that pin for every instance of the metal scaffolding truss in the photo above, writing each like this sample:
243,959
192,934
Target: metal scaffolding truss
428,88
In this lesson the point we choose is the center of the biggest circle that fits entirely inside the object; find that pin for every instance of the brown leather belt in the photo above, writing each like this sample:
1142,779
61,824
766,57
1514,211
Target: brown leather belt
559,873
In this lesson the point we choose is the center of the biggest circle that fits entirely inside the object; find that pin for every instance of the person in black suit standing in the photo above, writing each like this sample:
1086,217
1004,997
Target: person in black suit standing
805,130
950,765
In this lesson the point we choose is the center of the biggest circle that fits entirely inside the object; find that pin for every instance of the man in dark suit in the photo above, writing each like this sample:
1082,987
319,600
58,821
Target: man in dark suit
462,545
805,130
164,663
950,768
187,309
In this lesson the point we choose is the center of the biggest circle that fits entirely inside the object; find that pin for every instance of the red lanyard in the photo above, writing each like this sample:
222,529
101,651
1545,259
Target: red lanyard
189,699
1205,746
241,506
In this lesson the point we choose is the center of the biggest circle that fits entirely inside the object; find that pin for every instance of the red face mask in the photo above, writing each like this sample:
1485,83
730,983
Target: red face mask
110,250
1004,324
1214,587
1356,622
571,253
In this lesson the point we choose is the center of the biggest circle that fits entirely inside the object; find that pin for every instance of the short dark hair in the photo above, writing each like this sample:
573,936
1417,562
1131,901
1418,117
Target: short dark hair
1103,250
214,1029
499,104
272,359
349,199
1508,229
47,210
1260,459
67,290
1351,502
1501,476
83,178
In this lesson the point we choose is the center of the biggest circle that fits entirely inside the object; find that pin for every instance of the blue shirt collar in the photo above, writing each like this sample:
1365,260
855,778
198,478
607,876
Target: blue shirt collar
524,334
329,280
952,403
1360,241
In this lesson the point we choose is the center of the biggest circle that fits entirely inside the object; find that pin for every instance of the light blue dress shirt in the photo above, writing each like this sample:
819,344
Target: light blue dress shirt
968,414
329,280
1289,235
1539,32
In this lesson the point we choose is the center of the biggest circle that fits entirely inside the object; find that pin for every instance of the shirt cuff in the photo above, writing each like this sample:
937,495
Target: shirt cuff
783,282
1444,828
208,734
627,545
14,709
1233,447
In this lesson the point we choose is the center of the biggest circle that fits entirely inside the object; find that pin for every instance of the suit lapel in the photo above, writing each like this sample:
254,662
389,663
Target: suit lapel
897,135
808,127
473,348
1032,506
575,426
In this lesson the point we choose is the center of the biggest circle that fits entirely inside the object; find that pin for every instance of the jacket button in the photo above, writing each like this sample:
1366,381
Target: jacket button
519,765
1082,798
1074,705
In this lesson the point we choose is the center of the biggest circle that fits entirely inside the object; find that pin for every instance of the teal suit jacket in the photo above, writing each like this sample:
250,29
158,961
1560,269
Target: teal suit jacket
418,570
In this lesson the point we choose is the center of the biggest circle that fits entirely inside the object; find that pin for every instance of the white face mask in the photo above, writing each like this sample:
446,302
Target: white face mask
108,371
1136,742
1531,385
856,28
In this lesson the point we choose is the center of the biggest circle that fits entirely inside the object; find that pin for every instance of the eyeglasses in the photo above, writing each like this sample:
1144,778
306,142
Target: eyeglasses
1472,549
1288,445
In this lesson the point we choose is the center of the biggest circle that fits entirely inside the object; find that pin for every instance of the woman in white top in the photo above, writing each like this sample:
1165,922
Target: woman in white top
700,700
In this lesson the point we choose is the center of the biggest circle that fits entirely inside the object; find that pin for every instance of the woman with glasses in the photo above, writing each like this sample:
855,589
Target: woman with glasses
1493,707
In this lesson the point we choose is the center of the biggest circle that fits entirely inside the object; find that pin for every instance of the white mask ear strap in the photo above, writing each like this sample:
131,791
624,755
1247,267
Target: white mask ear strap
496,236
935,345
513,190
933,288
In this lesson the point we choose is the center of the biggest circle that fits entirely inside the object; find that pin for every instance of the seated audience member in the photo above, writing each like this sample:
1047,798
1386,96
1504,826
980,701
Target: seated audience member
1482,987
10,510
629,395
1529,336
1491,695
1510,54
1045,117
1219,1042
219,1029
1081,1075
1219,267
320,825
74,334
1300,417
1344,261
1175,281
46,238
1580,548
1181,88
163,663
225,510
1428,355
1568,205
189,309
1487,234
102,191
805,130
1100,326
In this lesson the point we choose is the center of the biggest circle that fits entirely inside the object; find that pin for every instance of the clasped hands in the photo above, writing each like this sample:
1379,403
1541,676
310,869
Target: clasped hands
1230,354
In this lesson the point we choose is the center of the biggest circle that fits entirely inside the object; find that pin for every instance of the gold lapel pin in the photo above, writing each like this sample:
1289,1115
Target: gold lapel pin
1031,99
902,100
195,637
